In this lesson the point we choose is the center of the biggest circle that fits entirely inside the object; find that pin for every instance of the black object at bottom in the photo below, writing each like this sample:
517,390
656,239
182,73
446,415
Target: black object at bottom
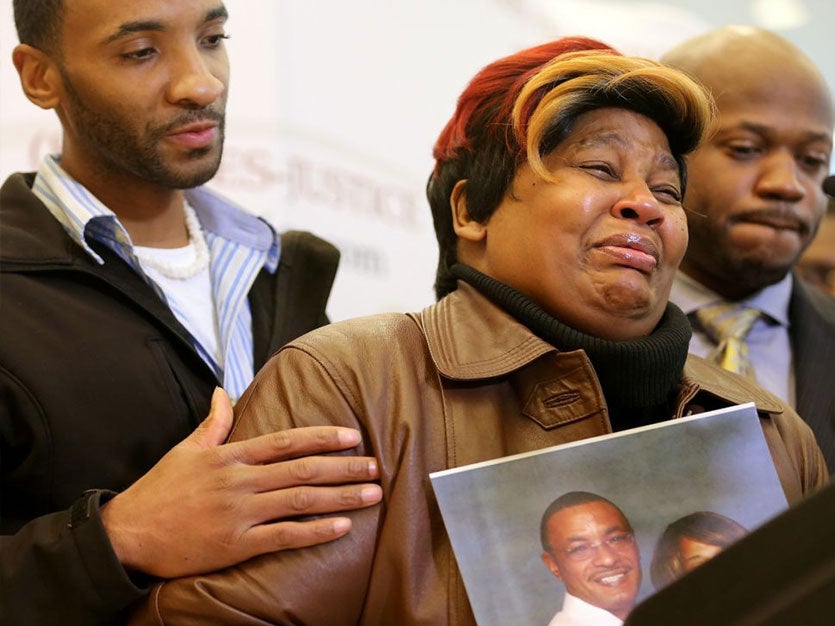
782,574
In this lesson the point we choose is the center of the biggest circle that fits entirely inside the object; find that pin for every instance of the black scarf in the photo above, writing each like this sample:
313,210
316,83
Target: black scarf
637,376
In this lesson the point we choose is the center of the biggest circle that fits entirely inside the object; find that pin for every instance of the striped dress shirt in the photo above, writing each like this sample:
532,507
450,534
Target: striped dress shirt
240,245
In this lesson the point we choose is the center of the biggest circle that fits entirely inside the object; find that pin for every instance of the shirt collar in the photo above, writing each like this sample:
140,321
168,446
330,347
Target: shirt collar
77,210
581,612
222,217
73,205
690,295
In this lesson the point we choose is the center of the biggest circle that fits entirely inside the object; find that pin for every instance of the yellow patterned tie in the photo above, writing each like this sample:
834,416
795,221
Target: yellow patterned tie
728,325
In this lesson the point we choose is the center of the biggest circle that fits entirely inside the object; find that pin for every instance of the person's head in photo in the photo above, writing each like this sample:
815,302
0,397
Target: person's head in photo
589,545
690,541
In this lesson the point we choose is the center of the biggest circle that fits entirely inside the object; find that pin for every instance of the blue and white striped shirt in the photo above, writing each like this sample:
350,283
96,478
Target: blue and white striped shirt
239,243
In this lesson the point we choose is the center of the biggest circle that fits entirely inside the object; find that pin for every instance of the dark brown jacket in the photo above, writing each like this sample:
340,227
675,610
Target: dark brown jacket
458,383
98,380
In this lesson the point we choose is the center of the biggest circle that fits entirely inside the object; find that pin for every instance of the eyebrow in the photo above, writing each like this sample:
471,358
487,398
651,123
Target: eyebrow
665,159
693,557
764,131
609,531
139,26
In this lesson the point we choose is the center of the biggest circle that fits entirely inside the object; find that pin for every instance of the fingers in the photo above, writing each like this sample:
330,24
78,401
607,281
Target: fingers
288,535
221,406
292,443
213,430
311,470
302,501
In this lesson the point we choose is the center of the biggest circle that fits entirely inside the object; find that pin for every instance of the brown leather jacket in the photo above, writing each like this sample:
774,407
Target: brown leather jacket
458,383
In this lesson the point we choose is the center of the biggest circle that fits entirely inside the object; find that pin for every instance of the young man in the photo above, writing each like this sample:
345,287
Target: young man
589,545
128,293
754,202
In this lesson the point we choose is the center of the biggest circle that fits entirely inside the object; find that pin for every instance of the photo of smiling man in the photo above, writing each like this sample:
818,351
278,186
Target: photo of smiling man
590,546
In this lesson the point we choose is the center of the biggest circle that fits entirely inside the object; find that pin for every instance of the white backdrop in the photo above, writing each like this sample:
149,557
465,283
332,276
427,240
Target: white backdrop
334,107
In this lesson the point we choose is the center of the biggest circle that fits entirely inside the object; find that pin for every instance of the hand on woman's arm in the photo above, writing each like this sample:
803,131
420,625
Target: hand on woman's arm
207,505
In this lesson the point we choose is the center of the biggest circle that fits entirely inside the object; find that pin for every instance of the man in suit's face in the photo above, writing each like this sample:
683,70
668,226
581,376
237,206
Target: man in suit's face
754,198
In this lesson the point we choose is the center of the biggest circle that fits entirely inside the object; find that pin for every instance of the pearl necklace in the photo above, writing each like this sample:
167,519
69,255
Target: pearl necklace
197,253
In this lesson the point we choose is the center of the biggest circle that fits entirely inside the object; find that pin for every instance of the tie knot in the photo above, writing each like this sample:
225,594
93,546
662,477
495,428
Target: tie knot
727,321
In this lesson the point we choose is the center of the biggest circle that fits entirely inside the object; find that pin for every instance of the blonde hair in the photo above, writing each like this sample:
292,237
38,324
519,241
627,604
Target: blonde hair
576,82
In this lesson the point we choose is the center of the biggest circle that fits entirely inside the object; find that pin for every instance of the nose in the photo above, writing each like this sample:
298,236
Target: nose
196,81
605,554
639,205
779,177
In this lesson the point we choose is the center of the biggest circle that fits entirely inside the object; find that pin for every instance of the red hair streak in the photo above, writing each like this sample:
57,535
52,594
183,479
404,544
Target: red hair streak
488,99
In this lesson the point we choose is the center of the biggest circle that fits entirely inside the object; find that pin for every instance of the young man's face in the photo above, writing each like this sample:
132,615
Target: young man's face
593,551
144,90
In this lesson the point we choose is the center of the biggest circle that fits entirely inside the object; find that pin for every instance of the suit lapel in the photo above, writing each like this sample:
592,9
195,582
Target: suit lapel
812,333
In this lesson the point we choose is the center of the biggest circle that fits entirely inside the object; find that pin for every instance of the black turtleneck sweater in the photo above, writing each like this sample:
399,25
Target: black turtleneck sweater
638,377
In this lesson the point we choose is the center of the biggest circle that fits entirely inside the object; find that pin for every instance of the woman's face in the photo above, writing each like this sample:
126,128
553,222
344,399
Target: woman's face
693,553
598,245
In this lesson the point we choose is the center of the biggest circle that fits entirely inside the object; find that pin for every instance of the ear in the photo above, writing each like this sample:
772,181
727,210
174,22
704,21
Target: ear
551,564
464,226
39,76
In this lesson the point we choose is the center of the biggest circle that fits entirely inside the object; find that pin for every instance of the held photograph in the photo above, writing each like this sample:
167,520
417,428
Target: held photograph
580,533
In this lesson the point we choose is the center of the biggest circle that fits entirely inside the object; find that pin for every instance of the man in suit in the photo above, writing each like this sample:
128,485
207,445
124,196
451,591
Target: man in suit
754,202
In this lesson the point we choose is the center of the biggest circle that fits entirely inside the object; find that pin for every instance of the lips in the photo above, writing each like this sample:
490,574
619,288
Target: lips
195,135
776,219
612,578
630,250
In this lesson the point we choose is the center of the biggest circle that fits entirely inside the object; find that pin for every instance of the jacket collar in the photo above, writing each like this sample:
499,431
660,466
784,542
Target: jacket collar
731,387
29,233
456,328
32,240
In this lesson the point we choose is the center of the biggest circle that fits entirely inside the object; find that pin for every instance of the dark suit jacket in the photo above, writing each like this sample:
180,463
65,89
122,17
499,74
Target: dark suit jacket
812,333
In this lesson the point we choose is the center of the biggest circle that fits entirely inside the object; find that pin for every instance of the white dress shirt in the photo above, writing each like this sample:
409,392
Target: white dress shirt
576,612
